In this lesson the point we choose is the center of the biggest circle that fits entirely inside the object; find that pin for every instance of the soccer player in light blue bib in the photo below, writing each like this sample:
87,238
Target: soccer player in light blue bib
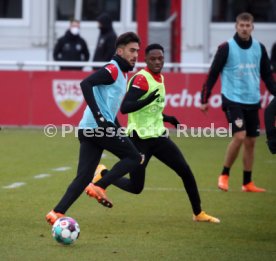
103,91
242,62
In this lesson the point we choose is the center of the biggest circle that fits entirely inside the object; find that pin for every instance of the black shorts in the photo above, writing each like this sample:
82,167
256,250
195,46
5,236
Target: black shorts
244,119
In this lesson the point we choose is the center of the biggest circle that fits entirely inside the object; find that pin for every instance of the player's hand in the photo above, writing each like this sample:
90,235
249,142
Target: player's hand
174,121
103,123
204,107
152,96
171,119
108,127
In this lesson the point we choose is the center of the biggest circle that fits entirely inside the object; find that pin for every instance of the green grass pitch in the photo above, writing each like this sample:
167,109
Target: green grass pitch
155,225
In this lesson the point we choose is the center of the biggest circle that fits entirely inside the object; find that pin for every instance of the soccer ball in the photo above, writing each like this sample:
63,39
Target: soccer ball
66,230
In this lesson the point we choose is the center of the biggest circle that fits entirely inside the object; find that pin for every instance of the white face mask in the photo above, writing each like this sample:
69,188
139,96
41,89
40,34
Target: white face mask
74,30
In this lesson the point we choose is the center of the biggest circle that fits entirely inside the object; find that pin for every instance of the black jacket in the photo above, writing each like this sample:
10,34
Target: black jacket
71,48
105,48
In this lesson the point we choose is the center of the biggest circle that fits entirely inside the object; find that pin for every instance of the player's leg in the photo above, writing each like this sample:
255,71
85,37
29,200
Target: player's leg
89,157
135,182
233,148
163,150
129,157
235,117
248,153
252,124
270,125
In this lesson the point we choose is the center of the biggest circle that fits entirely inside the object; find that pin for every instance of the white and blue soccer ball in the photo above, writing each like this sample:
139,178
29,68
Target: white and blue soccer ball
66,230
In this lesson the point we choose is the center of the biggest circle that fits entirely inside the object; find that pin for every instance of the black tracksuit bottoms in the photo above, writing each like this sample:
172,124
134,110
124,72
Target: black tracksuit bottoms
164,149
92,146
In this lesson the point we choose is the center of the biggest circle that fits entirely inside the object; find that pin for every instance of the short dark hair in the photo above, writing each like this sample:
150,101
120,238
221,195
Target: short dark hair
127,38
245,17
152,47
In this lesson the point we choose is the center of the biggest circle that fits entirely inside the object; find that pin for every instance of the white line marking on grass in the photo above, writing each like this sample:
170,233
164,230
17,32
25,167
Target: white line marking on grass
61,169
42,176
38,176
15,185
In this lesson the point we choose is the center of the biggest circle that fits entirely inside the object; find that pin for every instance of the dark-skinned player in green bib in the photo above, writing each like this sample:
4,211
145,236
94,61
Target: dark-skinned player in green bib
144,103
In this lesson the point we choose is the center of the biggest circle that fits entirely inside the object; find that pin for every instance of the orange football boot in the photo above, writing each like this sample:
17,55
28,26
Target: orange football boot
203,217
52,216
99,194
223,182
250,187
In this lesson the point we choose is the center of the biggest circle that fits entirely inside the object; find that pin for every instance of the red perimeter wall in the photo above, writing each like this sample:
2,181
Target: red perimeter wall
40,98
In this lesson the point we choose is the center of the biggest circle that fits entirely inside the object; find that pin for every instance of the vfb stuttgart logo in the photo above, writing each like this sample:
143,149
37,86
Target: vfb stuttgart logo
68,96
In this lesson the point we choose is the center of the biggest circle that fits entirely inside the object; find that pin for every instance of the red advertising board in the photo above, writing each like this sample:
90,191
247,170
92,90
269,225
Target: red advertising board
36,98
15,98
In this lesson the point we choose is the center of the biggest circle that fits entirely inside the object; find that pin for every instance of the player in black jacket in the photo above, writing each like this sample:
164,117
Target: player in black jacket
71,47
105,48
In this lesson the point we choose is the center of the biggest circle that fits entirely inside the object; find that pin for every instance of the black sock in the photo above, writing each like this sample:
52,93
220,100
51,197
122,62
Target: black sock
246,177
197,212
225,171
104,172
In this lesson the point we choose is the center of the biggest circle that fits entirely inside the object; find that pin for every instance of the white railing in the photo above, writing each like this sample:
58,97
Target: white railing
54,65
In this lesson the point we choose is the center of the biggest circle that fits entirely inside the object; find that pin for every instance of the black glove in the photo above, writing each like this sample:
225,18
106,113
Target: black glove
171,119
100,119
106,128
103,123
153,96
